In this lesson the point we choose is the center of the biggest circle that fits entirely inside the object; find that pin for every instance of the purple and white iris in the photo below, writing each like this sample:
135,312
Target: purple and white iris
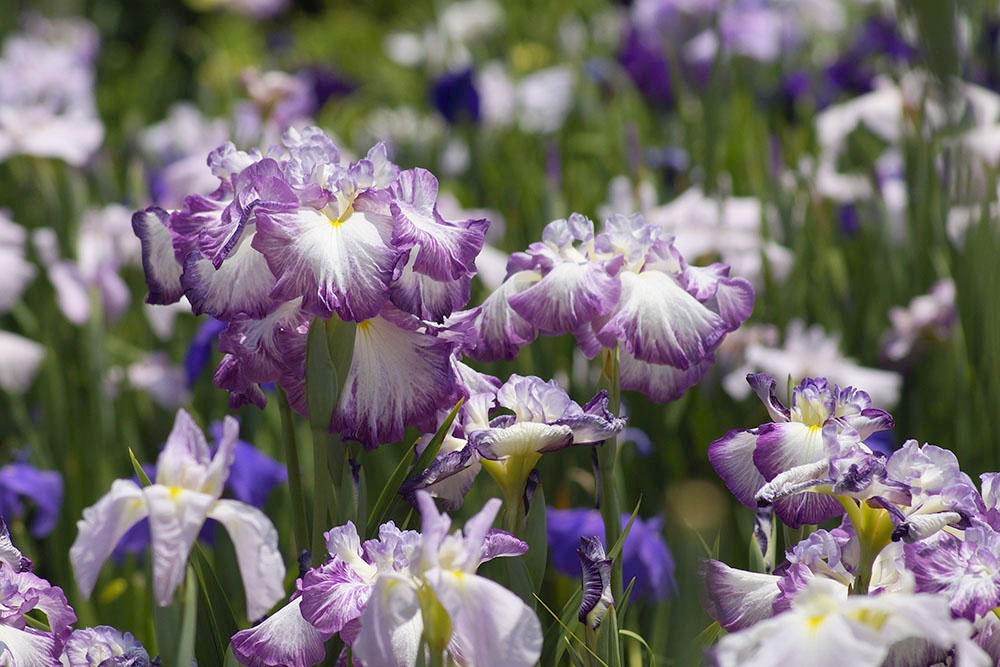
187,492
627,287
816,444
296,232
545,419
380,594
20,593
104,646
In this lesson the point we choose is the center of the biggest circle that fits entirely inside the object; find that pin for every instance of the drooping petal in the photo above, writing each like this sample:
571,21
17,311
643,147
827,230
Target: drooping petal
255,540
502,332
596,424
102,526
391,625
380,398
736,598
657,321
333,595
242,284
448,478
176,515
163,271
491,626
661,383
732,457
335,266
764,386
426,297
443,250
570,295
283,640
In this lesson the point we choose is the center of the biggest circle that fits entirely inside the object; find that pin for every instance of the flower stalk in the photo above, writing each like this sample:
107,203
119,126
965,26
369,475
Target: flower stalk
610,503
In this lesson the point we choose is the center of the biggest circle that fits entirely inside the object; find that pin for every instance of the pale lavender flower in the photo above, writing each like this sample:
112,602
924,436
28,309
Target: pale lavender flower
932,315
163,380
20,358
187,492
18,271
47,106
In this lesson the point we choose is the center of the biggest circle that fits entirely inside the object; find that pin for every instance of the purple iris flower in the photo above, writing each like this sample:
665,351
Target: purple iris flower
646,64
199,352
454,94
44,488
645,555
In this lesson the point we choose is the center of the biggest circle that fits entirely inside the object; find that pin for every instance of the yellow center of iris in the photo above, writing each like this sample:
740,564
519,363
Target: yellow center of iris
348,212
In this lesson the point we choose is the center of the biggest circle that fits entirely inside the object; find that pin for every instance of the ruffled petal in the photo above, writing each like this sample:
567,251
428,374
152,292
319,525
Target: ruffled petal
764,386
427,297
241,285
732,457
570,295
445,251
163,271
491,626
657,321
380,398
659,382
28,648
343,267
255,540
176,515
283,640
502,332
333,595
102,526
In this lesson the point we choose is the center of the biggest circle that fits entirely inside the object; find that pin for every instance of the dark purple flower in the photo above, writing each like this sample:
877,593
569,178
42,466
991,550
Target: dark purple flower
454,94
645,555
253,474
44,488
647,65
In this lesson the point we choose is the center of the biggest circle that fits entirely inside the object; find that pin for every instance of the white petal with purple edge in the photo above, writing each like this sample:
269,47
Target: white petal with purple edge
27,648
569,296
333,595
736,598
502,332
335,266
163,271
659,322
283,640
241,285
659,382
732,457
427,297
379,399
102,526
256,543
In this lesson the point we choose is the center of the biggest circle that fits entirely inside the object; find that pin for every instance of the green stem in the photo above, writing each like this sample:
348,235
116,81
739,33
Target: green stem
874,530
294,473
321,496
606,456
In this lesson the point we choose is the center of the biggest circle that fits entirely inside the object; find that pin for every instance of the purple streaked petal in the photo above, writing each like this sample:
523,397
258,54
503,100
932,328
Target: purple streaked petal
658,322
735,598
104,645
242,391
29,647
102,526
596,575
283,640
764,386
270,346
596,424
965,572
499,543
807,508
378,400
242,285
570,295
427,297
11,555
869,421
163,271
333,595
448,478
445,251
343,267
732,457
502,332
659,382
783,446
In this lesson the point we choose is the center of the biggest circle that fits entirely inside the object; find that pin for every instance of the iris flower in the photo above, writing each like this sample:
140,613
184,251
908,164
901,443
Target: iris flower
187,491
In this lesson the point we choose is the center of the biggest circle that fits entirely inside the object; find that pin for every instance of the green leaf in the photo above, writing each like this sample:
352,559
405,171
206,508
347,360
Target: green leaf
221,620
535,535
638,638
143,477
434,446
340,337
571,607
617,548
709,634
231,660
568,616
321,378
620,609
